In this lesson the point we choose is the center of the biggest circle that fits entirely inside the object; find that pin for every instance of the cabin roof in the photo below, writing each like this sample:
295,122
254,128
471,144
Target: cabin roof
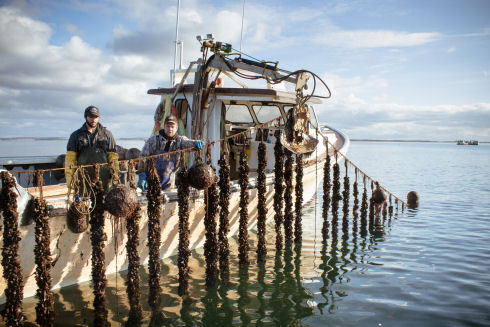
236,93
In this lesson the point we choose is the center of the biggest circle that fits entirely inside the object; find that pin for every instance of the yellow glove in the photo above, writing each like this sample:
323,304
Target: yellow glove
113,159
70,164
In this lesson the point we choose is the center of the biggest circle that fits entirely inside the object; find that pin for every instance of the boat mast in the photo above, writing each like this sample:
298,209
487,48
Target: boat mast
241,32
176,42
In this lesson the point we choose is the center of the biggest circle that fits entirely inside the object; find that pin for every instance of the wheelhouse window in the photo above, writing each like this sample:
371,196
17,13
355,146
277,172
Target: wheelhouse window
264,113
238,113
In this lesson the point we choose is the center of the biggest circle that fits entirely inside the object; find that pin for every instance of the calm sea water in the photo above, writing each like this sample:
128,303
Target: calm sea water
429,267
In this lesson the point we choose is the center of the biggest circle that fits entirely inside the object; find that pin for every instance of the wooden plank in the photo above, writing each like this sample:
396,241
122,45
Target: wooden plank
49,191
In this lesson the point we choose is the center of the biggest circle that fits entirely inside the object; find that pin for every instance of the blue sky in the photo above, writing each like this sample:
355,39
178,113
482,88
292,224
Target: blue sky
397,69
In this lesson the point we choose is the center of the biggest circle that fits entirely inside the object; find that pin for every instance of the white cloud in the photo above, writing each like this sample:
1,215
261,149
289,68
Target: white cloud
20,34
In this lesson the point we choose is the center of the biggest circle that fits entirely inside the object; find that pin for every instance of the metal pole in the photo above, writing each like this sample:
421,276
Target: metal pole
176,40
241,32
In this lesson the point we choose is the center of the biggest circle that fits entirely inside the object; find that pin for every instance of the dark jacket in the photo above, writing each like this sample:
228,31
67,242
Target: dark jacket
81,138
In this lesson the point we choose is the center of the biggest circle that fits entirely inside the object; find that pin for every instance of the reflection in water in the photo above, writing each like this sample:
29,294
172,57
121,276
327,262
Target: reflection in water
302,295
210,301
225,311
272,292
261,292
244,298
339,259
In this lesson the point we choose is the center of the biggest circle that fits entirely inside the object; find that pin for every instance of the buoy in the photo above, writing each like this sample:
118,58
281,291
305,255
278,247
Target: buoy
121,200
412,199
379,196
201,176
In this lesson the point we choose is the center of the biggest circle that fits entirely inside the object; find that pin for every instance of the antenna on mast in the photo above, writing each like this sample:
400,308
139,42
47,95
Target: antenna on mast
241,32
176,42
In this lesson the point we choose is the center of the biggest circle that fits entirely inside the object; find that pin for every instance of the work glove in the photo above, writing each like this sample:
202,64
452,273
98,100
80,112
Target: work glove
70,164
142,183
199,145
113,159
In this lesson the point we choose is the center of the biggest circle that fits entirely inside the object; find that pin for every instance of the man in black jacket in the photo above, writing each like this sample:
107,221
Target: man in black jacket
90,144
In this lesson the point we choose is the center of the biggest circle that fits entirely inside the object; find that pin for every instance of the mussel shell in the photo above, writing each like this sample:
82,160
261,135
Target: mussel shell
121,200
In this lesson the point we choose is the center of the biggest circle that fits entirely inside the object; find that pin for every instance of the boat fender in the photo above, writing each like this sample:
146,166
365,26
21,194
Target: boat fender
412,199
121,201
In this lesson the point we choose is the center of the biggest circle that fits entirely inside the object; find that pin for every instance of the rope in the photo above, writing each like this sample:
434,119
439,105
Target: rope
348,161
234,137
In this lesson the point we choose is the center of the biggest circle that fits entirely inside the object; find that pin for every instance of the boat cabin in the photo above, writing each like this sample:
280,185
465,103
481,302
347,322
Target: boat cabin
229,112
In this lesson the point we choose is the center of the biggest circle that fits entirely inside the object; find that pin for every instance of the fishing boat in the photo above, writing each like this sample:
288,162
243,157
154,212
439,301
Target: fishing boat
464,142
222,108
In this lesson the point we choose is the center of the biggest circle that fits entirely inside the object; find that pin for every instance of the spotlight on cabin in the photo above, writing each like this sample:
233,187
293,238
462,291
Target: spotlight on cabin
199,38
222,47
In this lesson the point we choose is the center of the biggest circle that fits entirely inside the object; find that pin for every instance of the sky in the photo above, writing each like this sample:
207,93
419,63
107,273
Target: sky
397,69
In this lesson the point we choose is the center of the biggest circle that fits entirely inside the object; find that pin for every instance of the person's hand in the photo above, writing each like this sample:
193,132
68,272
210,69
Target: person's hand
199,145
142,183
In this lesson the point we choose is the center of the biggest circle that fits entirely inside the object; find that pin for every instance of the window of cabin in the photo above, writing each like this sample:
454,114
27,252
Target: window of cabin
238,113
264,113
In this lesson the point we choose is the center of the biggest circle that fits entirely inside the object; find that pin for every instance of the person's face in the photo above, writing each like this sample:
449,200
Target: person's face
92,120
170,128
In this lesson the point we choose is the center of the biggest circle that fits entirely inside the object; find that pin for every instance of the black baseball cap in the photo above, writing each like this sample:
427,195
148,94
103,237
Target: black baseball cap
92,111
171,118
